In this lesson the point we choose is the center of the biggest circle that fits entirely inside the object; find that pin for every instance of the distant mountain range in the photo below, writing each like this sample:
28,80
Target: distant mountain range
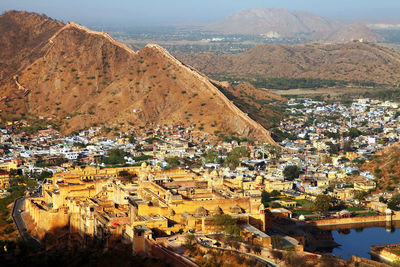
78,78
278,22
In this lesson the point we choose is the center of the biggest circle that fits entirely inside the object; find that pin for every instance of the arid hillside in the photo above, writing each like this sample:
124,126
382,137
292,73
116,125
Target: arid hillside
260,105
355,31
280,22
353,61
277,20
86,78
385,166
23,39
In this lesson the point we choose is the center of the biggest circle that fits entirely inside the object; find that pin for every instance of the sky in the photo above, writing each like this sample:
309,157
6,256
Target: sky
170,12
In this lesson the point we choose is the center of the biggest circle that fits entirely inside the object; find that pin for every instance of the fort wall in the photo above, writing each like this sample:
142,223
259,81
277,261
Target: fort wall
364,219
46,219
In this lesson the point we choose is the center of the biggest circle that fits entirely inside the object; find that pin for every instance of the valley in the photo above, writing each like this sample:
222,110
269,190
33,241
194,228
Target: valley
256,137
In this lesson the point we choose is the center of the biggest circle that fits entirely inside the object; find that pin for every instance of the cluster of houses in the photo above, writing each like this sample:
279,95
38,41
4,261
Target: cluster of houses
144,196
328,141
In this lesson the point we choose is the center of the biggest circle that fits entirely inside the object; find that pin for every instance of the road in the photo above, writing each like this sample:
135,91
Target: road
20,223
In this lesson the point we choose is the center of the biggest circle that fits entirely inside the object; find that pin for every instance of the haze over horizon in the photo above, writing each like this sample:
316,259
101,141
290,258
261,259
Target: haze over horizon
168,13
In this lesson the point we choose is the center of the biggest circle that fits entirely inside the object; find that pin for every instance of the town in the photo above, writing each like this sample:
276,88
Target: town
165,187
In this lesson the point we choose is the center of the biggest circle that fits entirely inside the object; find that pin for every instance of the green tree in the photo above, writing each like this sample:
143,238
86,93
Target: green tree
115,156
44,175
172,162
150,140
227,224
333,148
223,220
274,151
275,205
265,198
275,193
232,161
57,161
353,133
322,202
348,146
291,172
378,173
210,157
293,259
360,195
241,151
233,230
394,202
132,139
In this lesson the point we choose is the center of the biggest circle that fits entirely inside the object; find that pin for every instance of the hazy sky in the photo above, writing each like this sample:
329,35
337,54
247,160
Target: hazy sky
167,12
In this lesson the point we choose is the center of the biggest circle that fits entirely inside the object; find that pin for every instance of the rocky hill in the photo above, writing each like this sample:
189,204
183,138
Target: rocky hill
385,167
353,61
276,20
260,105
23,39
282,23
82,78
355,31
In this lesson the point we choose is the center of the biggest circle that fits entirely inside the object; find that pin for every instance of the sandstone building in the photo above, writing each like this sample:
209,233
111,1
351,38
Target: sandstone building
98,206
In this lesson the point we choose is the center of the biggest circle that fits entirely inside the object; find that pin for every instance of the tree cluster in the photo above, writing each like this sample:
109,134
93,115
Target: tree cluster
291,172
322,203
233,159
394,203
115,156
226,223
172,162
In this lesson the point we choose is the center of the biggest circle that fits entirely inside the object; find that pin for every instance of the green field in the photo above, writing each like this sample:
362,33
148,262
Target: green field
365,214
304,212
355,209
305,203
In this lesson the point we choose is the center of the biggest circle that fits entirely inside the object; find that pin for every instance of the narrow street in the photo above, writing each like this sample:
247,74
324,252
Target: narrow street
20,223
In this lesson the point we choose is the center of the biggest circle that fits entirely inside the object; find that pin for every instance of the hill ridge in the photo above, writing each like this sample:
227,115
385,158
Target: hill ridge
351,61
85,77
213,89
72,24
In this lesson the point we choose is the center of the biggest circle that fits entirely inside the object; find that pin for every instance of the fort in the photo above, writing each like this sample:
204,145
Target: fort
95,205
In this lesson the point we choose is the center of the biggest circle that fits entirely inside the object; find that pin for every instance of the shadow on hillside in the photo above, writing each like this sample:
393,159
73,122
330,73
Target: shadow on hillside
65,249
